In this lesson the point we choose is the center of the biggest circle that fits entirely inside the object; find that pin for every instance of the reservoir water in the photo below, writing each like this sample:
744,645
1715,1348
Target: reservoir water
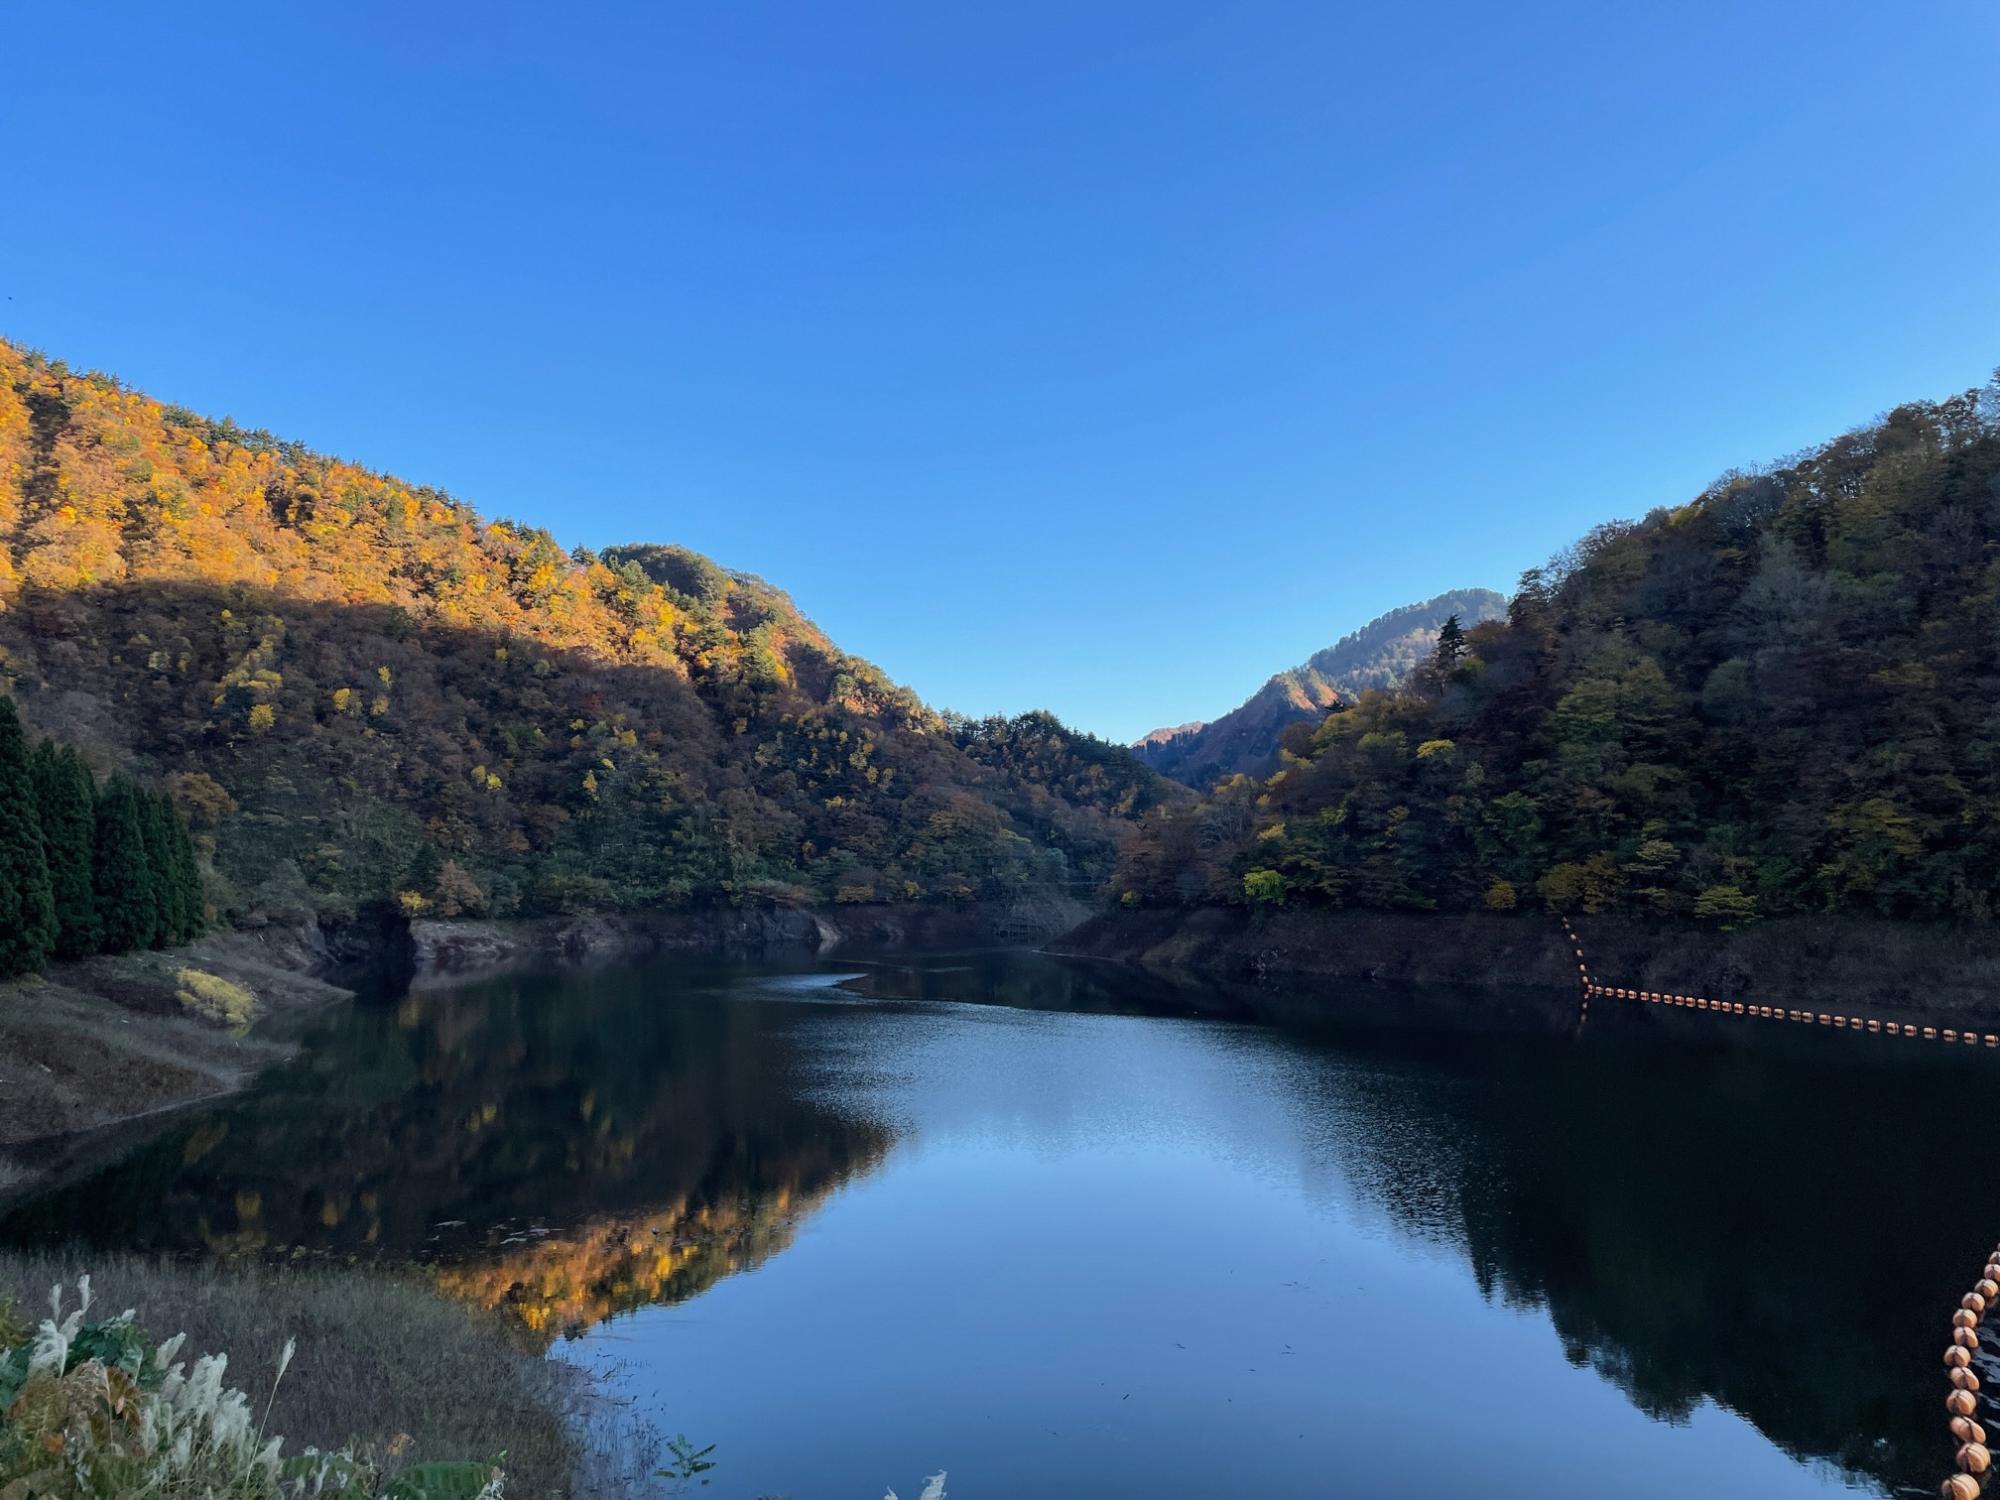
1067,1231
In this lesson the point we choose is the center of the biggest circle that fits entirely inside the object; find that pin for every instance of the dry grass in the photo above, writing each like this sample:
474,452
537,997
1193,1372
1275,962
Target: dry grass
377,1357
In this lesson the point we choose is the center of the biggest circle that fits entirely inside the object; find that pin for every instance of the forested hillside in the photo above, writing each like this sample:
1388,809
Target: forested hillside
1381,654
1781,696
359,688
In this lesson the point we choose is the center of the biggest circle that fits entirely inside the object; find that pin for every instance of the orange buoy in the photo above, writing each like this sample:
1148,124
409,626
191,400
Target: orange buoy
1993,1270
1957,1357
1987,1288
1951,1034
1965,1317
1965,1338
1964,1380
1961,1403
1960,1487
1974,1301
1967,1431
1874,1025
1930,1033
1974,1458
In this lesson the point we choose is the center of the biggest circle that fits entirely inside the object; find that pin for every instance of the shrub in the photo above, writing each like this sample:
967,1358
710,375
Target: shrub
216,999
1263,887
1727,904
94,1410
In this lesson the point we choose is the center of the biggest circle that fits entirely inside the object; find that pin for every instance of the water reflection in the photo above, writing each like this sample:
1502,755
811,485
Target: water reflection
1775,1224
1769,1221
564,1150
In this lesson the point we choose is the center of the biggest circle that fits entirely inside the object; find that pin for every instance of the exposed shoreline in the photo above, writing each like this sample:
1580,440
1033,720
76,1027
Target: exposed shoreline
451,952
1870,964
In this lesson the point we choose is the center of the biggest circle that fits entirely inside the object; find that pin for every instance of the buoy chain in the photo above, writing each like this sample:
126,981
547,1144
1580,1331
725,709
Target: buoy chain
1582,971
1965,1400
1873,1025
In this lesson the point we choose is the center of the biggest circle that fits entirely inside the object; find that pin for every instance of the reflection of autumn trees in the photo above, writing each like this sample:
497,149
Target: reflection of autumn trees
384,694
564,1148
567,1282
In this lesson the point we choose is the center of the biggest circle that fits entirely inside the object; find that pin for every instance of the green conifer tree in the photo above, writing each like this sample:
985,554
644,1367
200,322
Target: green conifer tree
27,906
66,801
156,830
1451,647
121,871
190,905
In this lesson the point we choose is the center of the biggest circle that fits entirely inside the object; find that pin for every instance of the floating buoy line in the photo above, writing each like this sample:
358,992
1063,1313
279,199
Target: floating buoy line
1962,1403
1872,1025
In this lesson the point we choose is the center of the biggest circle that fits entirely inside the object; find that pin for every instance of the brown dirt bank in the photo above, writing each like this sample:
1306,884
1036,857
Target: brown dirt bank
108,1039
1858,961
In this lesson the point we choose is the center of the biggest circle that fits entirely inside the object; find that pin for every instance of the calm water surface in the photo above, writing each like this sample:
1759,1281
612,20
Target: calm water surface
1063,1231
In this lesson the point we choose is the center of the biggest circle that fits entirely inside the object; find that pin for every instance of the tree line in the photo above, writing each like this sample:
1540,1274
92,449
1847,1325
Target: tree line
86,869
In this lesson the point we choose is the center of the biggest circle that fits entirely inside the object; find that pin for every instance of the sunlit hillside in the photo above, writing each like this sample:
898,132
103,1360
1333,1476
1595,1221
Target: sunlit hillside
359,688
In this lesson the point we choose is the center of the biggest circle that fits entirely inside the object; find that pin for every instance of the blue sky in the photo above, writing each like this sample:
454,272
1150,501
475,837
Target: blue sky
1102,357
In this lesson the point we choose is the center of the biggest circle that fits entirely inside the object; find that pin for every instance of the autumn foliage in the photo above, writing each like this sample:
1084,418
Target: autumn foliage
361,690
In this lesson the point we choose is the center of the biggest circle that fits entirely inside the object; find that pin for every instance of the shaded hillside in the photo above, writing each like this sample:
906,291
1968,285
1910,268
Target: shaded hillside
1381,654
1781,696
360,688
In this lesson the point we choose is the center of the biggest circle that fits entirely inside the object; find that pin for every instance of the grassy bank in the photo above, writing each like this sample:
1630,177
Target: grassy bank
382,1363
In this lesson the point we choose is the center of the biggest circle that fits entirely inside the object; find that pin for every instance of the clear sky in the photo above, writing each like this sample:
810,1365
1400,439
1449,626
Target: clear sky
1102,357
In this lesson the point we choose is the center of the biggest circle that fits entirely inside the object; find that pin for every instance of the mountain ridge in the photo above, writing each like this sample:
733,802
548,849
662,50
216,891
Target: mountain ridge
1247,739
364,690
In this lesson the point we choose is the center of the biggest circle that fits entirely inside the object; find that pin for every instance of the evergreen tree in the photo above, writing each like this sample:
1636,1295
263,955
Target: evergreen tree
27,907
66,800
156,831
190,906
1450,647
126,905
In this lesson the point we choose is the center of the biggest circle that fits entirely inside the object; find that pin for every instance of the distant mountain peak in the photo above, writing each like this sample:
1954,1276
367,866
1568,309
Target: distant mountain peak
1164,736
1378,655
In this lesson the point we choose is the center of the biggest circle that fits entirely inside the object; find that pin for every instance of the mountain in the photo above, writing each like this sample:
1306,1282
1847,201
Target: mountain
1782,696
1380,654
359,688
